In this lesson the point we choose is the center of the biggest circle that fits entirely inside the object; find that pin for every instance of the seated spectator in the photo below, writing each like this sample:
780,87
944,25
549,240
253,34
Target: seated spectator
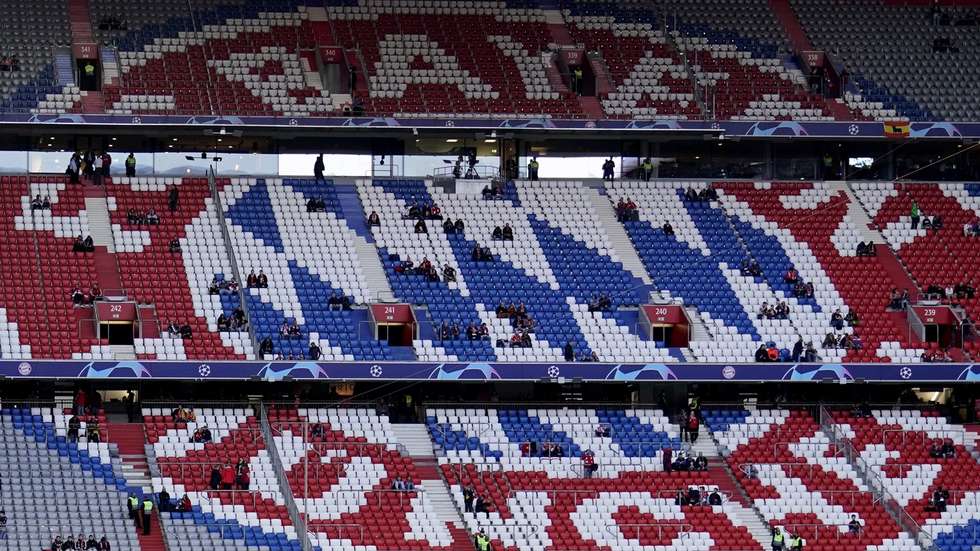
854,527
459,226
265,347
700,463
174,245
694,495
852,319
184,505
845,342
810,353
938,501
152,218
448,273
95,292
498,233
714,499
691,194
374,219
965,290
668,229
486,192
937,222
791,276
185,331
782,310
78,296
224,324
173,329
334,302
762,354
830,341
935,450
508,233
948,449
183,415
448,226
481,254
602,431
79,245
856,342
420,227
74,424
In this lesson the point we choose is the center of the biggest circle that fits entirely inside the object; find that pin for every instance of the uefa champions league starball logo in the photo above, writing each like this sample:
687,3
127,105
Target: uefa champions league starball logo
905,372
553,371
376,371
204,370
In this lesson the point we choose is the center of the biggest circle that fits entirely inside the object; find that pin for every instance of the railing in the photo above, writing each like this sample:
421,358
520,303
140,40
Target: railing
351,532
285,489
230,251
922,437
478,172
819,532
633,531
247,498
875,482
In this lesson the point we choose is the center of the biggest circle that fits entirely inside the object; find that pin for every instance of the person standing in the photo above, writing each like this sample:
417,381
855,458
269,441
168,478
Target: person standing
131,165
173,198
147,512
608,169
668,456
318,168
914,215
777,539
468,499
646,169
532,169
693,426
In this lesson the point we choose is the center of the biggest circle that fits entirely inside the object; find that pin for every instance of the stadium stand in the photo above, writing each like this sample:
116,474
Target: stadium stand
534,500
27,46
176,284
47,473
716,59
925,84
933,257
559,260
799,479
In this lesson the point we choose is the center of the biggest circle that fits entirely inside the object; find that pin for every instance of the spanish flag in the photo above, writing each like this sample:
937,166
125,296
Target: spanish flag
897,129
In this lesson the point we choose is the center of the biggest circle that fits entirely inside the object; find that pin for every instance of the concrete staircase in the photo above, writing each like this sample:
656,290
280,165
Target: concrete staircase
750,519
372,270
858,215
415,438
99,223
620,242
699,331
740,507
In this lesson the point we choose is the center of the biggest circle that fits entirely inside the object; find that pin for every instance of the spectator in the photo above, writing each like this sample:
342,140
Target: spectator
589,466
569,352
914,215
693,426
608,169
714,499
762,354
797,350
458,226
700,463
74,424
175,245
852,319
314,351
262,280
420,227
791,276
227,477
468,495
318,168
130,166
668,229
104,544
508,233
854,527
694,495
215,482
837,320
532,169
374,219
448,273
497,234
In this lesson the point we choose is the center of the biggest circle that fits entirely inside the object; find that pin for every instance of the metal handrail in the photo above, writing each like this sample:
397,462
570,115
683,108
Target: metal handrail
683,530
298,519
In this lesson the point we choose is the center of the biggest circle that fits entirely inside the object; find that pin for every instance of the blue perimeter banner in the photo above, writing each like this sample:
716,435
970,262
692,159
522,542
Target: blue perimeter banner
760,129
302,370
